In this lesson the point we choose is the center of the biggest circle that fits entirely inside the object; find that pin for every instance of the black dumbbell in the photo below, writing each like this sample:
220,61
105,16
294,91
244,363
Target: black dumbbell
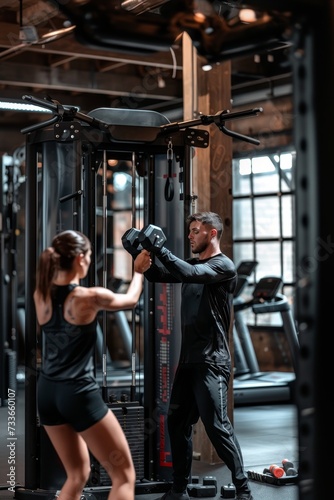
208,488
152,238
228,491
131,243
289,468
210,481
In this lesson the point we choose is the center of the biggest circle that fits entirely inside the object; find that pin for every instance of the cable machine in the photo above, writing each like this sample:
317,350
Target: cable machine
63,194
8,278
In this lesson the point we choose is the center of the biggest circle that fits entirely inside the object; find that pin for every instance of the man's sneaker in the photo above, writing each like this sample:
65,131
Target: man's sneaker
245,496
174,495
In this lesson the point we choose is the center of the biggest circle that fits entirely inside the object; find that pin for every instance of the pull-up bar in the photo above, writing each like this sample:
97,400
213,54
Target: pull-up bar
65,113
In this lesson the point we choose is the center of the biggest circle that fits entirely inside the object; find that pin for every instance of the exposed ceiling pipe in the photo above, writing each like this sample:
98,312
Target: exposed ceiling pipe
104,26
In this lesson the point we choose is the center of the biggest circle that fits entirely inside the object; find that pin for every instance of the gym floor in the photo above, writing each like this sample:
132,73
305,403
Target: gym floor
267,434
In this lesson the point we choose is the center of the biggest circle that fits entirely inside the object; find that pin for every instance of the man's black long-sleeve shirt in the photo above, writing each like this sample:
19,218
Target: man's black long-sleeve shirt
206,305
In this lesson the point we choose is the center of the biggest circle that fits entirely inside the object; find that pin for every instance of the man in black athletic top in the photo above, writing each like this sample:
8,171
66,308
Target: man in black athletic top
70,404
202,377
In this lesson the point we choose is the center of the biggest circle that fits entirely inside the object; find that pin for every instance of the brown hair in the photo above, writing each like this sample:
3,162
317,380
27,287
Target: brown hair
64,248
208,218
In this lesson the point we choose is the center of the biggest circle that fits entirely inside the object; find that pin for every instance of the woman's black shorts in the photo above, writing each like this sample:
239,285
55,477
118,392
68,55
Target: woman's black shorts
78,403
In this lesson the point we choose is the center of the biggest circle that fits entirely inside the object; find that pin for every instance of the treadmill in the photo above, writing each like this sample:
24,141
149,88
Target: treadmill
256,387
244,270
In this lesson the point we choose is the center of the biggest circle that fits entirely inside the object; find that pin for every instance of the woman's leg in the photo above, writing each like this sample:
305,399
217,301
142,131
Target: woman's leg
107,442
73,453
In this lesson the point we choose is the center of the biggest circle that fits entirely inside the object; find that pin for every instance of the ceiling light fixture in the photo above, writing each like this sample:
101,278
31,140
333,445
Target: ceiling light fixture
247,16
20,106
52,35
141,6
17,105
29,35
207,67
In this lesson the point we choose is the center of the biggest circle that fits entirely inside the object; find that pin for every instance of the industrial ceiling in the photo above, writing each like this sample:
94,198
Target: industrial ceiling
128,54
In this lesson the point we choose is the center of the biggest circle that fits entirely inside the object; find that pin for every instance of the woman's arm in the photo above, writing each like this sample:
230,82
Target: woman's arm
112,301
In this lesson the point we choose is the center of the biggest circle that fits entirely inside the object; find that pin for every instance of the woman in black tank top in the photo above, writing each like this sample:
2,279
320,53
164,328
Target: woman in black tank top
70,404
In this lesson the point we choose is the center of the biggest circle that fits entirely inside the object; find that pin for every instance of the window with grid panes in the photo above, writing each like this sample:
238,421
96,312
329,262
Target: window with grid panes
263,222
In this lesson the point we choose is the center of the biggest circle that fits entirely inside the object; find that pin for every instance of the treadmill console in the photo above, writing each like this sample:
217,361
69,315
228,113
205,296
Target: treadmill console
246,267
267,288
244,270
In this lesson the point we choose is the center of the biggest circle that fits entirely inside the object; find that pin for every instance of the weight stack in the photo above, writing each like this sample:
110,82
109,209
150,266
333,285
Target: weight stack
131,417
10,369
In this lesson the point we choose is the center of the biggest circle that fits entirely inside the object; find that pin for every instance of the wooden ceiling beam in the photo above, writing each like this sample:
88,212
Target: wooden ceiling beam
20,75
